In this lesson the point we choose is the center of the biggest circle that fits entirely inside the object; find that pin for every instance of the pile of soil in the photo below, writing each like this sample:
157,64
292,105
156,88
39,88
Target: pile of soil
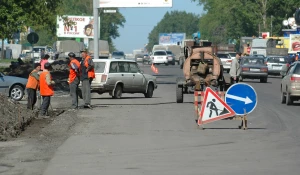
14,117
59,73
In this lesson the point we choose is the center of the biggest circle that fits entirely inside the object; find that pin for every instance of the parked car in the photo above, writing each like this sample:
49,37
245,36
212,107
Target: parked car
232,55
139,58
12,86
290,84
253,68
121,76
118,55
226,61
160,57
171,57
275,64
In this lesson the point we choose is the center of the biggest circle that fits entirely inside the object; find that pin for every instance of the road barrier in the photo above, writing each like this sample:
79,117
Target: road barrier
200,102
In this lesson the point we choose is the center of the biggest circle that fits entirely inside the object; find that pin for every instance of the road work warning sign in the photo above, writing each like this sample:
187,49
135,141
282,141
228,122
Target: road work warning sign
213,108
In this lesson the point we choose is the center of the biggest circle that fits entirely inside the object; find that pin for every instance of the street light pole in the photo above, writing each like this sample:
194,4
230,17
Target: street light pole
271,25
96,28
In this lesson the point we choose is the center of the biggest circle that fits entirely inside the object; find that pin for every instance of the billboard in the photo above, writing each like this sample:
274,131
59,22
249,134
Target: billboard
294,43
134,3
171,38
82,28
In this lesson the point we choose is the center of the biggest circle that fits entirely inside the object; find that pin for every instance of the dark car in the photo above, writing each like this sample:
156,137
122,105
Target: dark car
254,68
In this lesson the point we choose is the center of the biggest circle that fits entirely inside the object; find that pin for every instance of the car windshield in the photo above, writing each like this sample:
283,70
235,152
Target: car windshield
252,61
223,56
118,53
169,52
159,53
277,60
99,67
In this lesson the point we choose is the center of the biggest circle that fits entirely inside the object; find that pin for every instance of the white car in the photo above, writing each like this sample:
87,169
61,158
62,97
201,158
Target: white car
115,77
160,57
226,61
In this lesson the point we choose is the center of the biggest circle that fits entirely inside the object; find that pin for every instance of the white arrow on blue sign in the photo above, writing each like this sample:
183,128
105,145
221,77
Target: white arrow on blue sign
241,97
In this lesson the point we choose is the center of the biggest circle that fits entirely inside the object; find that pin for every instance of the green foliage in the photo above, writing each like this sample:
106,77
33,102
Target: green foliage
174,22
236,18
17,15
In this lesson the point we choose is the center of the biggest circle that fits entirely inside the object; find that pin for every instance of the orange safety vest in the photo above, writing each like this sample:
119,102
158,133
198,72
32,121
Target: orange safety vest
45,89
73,74
91,73
32,83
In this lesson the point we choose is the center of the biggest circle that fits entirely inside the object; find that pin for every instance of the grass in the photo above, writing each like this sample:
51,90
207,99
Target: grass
6,60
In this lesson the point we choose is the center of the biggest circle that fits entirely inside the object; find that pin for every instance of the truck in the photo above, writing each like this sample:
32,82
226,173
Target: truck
103,49
63,48
267,47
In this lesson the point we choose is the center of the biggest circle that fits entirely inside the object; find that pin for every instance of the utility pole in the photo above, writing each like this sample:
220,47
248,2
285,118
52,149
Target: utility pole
96,28
258,30
271,25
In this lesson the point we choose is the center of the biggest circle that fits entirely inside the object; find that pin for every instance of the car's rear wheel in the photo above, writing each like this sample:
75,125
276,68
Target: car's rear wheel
283,98
16,93
167,64
149,92
118,92
289,100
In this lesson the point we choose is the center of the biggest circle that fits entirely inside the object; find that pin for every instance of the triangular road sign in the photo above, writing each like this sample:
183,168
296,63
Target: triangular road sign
213,108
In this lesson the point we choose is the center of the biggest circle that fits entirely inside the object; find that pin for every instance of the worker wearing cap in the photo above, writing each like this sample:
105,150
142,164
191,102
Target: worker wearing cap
87,76
32,86
46,89
74,81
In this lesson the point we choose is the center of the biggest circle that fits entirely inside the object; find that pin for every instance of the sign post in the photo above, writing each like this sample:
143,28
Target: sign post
243,99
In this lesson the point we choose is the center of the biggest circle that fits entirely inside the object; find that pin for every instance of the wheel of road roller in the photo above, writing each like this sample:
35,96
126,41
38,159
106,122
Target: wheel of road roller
179,94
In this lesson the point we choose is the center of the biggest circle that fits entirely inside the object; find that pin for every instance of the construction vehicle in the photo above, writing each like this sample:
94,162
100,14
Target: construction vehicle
201,69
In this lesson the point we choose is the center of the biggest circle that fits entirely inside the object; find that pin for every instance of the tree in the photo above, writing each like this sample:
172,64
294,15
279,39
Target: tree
15,14
174,22
243,17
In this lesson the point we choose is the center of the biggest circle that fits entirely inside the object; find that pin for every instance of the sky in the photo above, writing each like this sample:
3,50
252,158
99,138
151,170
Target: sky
141,21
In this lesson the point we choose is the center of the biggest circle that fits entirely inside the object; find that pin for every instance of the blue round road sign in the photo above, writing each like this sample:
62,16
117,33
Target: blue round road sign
242,98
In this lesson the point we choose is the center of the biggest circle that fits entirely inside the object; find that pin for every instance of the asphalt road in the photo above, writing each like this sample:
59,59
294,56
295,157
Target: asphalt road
135,135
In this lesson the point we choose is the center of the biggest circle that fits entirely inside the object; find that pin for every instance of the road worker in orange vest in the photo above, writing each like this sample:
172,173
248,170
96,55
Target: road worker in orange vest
87,75
46,89
32,86
74,80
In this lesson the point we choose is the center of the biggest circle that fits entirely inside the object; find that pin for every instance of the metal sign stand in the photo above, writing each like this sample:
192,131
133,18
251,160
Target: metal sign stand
198,106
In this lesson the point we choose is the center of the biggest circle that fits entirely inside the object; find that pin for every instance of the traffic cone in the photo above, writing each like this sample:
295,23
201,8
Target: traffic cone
153,68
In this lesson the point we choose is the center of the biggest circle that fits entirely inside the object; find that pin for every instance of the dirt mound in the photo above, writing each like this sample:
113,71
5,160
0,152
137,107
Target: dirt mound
14,117
59,73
